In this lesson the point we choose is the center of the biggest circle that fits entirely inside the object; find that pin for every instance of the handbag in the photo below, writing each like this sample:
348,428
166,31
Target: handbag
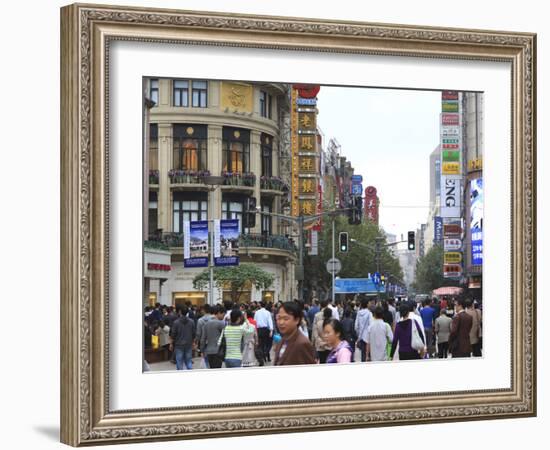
222,347
416,340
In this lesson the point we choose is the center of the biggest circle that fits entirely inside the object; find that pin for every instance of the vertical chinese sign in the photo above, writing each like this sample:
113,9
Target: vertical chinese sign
371,205
305,150
451,178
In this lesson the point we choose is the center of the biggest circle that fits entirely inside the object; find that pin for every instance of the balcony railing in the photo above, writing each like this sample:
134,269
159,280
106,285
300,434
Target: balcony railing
245,241
273,183
178,176
239,179
153,177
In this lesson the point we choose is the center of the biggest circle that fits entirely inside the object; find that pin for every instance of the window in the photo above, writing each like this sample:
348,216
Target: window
181,93
232,208
199,94
188,207
236,150
266,101
267,219
189,147
153,146
266,142
153,212
154,90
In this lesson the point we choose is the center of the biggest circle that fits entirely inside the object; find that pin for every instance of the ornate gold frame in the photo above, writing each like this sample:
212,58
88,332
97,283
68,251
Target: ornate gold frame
86,31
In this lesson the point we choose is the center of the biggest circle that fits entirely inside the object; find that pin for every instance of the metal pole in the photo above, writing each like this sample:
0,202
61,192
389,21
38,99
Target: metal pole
333,234
301,257
211,293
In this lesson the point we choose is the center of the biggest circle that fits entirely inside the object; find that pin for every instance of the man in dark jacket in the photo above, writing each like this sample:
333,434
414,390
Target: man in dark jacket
182,335
459,339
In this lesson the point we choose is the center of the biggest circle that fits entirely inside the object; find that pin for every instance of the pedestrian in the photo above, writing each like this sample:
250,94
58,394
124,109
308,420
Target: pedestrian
349,331
387,316
428,315
250,343
310,316
182,336
210,335
391,307
293,348
475,332
442,330
234,332
362,323
379,335
264,324
206,316
340,349
321,346
403,336
459,338
163,332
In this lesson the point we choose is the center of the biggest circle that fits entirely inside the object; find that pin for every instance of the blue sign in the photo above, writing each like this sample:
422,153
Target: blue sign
476,220
376,278
357,286
357,179
228,241
306,101
438,229
357,189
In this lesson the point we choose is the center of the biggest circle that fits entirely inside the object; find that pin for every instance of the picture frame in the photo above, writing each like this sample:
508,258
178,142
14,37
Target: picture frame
87,32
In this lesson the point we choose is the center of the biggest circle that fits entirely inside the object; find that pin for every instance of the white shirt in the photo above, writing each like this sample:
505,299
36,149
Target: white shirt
335,314
263,319
378,336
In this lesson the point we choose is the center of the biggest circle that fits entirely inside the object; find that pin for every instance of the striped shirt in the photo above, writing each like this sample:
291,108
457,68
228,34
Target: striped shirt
233,339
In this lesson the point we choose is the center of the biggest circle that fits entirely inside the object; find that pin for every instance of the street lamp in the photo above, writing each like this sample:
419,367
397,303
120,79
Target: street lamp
212,182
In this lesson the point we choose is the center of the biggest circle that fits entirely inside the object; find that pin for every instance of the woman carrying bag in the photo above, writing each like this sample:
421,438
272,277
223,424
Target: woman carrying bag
408,335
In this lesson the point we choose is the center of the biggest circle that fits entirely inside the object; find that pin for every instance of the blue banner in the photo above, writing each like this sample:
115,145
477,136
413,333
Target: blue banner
356,189
195,252
357,286
476,220
438,229
227,243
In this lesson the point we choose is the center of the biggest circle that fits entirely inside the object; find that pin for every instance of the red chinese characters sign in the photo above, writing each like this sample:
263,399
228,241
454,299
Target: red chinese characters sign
371,204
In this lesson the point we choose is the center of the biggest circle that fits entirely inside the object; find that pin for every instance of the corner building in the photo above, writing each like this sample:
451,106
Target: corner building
233,130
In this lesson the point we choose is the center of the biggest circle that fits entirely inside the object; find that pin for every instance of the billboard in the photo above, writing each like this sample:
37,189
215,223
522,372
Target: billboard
476,220
195,243
226,242
450,196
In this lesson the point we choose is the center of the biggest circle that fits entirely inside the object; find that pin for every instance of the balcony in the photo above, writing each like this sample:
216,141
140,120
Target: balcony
262,244
238,181
273,186
153,178
188,179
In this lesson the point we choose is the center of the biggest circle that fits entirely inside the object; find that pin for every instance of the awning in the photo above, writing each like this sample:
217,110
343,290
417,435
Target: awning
447,290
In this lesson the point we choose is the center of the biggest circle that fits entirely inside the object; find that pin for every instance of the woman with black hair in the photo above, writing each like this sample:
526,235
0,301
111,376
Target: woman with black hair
403,336
294,348
341,350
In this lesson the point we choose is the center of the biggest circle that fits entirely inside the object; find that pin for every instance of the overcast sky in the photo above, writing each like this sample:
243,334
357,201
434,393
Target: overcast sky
388,136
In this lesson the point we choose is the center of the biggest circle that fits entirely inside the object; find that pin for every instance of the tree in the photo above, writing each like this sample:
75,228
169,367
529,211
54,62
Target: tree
429,272
236,278
358,262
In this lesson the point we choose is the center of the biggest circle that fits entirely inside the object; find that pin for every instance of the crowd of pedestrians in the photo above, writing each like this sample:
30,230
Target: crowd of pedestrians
315,332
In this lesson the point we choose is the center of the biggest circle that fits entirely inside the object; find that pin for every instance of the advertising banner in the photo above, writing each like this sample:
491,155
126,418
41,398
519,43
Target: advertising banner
450,119
450,168
438,229
195,243
450,201
226,241
476,220
449,106
451,230
449,95
450,156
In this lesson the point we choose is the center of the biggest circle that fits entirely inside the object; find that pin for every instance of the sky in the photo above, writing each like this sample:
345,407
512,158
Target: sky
388,136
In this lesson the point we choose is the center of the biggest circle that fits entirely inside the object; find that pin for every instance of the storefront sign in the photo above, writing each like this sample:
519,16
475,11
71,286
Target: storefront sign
452,270
371,204
452,244
452,258
475,164
449,106
449,95
451,230
450,119
450,168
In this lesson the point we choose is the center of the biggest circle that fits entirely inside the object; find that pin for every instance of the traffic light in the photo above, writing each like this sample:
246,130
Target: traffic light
355,211
343,239
411,240
249,216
